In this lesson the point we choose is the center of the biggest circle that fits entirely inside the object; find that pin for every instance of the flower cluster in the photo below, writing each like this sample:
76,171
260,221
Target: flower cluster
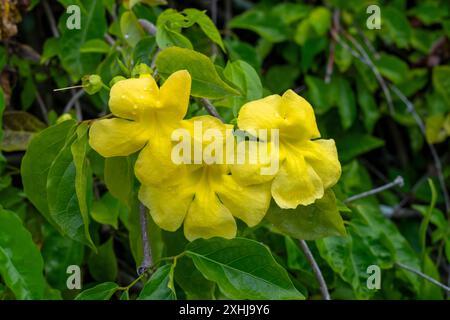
207,196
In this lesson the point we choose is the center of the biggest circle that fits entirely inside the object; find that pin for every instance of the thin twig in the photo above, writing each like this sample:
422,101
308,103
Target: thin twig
330,62
42,106
423,275
315,267
228,17
434,154
78,112
148,26
211,109
397,182
51,19
110,39
147,254
72,100
374,69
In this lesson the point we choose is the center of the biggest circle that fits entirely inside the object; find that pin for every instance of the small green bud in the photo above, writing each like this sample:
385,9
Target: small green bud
140,69
92,83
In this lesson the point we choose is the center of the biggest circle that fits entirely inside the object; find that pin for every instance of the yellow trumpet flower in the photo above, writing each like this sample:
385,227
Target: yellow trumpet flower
307,165
146,115
205,196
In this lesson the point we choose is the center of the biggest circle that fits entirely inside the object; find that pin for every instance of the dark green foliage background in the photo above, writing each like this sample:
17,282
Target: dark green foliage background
287,45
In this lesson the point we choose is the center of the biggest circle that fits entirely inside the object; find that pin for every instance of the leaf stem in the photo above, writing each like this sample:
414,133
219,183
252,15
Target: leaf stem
316,269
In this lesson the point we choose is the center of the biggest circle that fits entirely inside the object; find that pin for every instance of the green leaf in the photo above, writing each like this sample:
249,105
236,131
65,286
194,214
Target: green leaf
398,29
96,46
93,26
102,291
205,79
279,78
247,80
368,105
355,144
62,195
320,19
242,268
51,49
206,24
107,210
118,176
21,265
168,30
103,265
345,102
291,12
19,127
441,81
193,283
79,150
316,88
391,67
264,23
318,220
144,50
131,30
158,286
349,258
37,161
60,252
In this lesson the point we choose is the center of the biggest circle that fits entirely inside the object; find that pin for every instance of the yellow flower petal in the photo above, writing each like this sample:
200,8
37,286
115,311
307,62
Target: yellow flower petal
154,163
117,137
174,95
300,121
130,98
256,162
167,205
296,183
248,203
260,114
323,158
291,114
208,217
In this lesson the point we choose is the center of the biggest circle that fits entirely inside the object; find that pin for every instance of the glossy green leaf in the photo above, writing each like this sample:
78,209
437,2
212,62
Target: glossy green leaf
345,102
95,45
79,149
267,25
62,195
60,252
157,287
206,24
242,268
247,80
318,220
37,161
92,26
103,291
131,30
119,175
441,81
107,210
391,67
206,82
353,145
19,127
103,265
21,265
